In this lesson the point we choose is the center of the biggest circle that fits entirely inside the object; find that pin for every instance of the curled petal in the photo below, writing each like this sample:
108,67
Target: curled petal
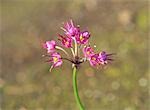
104,57
66,41
83,37
50,46
94,60
88,51
59,63
55,60
70,29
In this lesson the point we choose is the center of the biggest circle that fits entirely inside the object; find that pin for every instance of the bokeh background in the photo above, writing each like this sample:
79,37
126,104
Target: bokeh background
117,26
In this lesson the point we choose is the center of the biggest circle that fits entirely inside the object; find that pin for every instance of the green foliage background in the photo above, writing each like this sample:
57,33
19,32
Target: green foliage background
117,26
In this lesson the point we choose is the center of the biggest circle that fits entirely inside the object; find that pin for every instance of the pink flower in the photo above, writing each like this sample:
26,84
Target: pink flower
88,51
66,41
94,61
83,37
50,46
70,29
72,39
55,59
104,57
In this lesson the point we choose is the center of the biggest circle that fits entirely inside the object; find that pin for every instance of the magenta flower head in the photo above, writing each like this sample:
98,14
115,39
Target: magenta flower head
55,59
70,29
83,37
66,41
94,61
75,40
88,52
50,46
104,57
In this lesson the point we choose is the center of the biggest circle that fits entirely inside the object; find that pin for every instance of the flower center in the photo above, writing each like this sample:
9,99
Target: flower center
93,58
67,43
88,52
81,38
55,59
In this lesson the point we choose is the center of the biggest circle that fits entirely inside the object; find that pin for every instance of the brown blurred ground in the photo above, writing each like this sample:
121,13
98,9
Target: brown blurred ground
119,26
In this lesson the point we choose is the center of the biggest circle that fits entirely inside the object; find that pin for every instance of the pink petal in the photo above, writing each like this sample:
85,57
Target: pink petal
58,63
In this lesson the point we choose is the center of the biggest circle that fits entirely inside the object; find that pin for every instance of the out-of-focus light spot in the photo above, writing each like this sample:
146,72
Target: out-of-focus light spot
97,94
57,90
89,72
113,72
111,97
115,85
43,55
124,17
143,82
88,93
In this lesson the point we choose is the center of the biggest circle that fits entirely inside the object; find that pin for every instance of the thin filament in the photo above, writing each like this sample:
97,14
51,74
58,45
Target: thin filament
57,47
72,52
76,47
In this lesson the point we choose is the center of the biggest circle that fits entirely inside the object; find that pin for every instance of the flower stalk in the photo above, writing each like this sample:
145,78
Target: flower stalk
75,88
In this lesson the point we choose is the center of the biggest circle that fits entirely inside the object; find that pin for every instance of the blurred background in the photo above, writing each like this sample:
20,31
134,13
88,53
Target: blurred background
116,26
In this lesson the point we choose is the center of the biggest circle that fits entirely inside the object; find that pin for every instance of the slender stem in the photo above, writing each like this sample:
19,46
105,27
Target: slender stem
75,88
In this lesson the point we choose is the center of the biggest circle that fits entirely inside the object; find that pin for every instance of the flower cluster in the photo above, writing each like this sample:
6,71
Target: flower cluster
75,40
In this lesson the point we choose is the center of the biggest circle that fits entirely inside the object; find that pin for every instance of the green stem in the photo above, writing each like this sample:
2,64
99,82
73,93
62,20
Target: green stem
75,88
